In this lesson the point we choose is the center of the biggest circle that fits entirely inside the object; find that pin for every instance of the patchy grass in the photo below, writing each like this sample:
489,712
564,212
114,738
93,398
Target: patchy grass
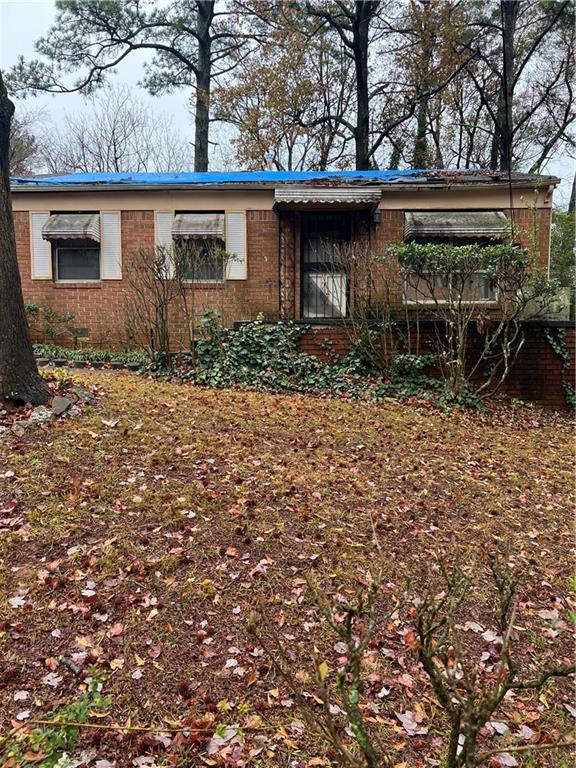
138,537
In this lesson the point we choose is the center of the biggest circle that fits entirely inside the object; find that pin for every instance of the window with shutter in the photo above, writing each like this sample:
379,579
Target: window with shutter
199,253
75,241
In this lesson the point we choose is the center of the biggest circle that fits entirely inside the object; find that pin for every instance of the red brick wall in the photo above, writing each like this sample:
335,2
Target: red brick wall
391,230
325,342
537,375
533,226
263,267
97,307
101,307
239,300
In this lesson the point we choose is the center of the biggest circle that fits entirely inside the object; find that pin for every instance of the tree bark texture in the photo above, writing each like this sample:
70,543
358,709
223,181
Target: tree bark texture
19,377
203,79
360,30
501,153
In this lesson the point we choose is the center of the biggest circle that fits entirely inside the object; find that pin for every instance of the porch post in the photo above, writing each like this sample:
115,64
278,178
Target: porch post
287,266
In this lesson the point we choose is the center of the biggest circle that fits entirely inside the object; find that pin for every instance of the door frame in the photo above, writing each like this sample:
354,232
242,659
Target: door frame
347,217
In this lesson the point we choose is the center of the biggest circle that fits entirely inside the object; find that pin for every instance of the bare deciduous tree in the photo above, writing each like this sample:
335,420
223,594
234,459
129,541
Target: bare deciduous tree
116,132
24,144
192,43
285,100
424,83
196,263
527,52
151,293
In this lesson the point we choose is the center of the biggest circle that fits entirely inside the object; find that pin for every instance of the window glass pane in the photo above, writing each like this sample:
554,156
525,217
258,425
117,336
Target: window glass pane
324,295
324,240
427,288
452,240
479,287
435,287
202,260
78,263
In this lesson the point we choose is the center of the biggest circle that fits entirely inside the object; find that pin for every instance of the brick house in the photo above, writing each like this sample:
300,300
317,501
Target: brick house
78,235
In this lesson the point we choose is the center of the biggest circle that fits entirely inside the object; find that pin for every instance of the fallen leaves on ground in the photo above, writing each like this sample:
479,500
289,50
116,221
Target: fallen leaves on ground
138,539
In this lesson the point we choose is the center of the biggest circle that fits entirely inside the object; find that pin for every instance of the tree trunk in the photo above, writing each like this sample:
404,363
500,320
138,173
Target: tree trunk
501,152
364,12
420,156
572,201
19,377
205,11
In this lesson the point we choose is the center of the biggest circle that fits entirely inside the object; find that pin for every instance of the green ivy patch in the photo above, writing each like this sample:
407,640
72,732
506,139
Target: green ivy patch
266,356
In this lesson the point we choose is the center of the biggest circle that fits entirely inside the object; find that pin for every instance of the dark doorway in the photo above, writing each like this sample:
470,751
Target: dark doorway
325,237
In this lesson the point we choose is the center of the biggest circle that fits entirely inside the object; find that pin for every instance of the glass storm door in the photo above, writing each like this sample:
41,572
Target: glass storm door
325,239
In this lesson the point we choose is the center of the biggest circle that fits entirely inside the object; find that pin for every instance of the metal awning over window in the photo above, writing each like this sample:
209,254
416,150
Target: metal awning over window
324,195
189,226
454,224
72,226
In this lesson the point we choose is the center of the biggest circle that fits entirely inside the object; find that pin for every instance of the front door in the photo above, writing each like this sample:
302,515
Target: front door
325,240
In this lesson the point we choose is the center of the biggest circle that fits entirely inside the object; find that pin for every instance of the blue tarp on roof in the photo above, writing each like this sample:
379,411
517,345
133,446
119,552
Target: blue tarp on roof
214,177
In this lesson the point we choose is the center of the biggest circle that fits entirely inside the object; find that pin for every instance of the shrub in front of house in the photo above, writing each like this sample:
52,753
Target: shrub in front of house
266,356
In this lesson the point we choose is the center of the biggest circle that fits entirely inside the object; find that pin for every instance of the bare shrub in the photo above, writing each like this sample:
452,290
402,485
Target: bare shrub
373,333
468,691
152,291
200,271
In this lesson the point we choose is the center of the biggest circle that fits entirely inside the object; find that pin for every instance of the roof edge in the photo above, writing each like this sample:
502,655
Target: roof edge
547,181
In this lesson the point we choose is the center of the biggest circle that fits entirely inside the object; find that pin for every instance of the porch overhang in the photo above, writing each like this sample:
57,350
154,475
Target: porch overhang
72,226
454,224
309,197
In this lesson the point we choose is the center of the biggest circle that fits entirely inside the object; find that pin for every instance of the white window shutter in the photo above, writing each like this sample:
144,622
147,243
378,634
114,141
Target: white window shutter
236,245
164,241
41,250
110,246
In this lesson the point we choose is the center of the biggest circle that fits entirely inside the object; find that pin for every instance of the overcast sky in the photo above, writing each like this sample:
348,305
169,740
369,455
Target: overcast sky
24,21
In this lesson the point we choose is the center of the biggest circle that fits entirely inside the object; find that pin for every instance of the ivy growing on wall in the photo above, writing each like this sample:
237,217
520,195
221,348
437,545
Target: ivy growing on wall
266,356
557,341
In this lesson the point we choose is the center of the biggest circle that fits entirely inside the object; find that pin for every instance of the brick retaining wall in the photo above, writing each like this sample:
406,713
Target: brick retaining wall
537,374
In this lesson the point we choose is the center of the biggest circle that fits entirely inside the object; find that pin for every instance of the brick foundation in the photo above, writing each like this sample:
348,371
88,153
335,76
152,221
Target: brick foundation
325,342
